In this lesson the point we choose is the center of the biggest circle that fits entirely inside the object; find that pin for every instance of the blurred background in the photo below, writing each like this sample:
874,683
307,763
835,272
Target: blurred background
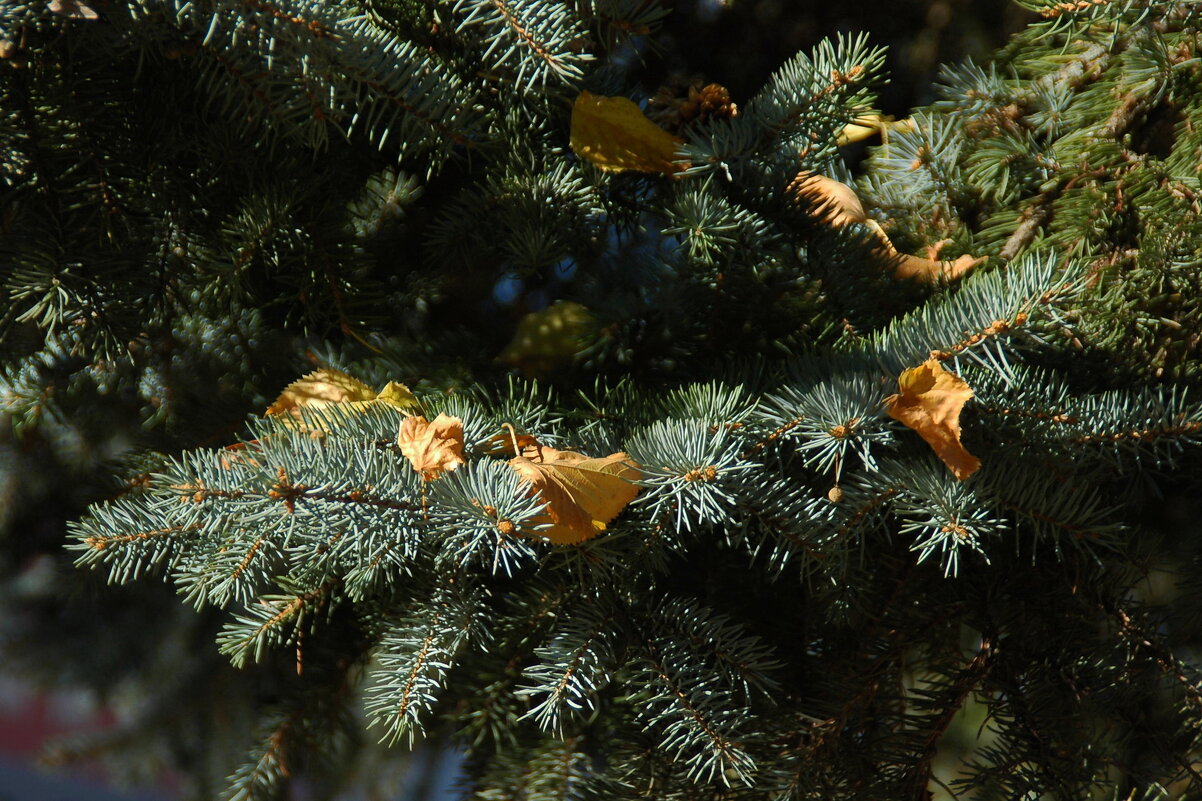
739,43
74,693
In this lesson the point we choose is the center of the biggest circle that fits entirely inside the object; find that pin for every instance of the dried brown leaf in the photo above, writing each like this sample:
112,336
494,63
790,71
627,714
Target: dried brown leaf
831,201
837,204
330,388
930,401
432,446
582,494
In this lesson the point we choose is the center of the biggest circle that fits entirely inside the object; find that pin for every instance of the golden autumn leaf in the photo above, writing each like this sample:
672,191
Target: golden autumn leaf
320,388
549,338
432,446
836,204
582,494
397,395
869,125
328,387
614,134
929,401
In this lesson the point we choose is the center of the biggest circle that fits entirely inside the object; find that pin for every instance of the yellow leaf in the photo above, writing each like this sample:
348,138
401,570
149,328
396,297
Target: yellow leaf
397,395
549,338
930,401
581,494
432,446
327,388
869,125
321,388
614,134
837,204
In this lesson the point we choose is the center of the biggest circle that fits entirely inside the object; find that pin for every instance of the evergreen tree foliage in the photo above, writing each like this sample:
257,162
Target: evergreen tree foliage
205,200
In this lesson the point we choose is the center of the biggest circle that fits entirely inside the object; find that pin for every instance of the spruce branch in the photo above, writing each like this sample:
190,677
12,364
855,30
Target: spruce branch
970,678
262,625
695,725
573,667
802,598
532,38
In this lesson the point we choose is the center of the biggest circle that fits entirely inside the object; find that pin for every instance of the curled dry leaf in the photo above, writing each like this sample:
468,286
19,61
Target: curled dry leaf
930,401
333,388
614,134
432,446
837,204
833,202
582,494
932,269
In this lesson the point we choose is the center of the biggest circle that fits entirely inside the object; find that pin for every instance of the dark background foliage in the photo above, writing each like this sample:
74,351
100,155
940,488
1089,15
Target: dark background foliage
739,43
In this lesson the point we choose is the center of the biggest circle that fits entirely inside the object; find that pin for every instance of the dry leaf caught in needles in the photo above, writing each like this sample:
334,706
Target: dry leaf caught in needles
837,204
872,124
582,494
932,268
614,134
833,202
432,446
930,401
328,387
320,388
397,395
